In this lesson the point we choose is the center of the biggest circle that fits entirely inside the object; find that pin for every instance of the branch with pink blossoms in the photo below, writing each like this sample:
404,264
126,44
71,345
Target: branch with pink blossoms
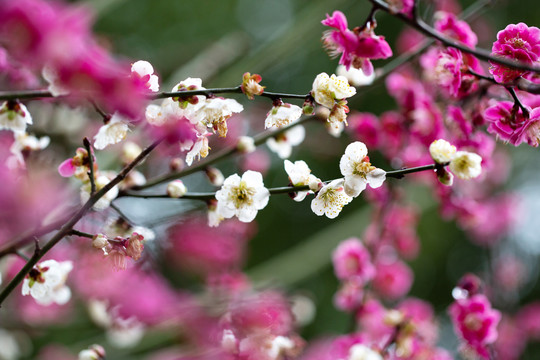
67,228
481,54
396,174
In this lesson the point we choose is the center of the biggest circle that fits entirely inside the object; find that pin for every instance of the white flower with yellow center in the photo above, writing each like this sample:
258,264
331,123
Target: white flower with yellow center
327,89
14,116
300,175
282,115
466,165
356,77
242,196
330,199
111,133
215,112
283,143
358,171
442,151
46,282
26,143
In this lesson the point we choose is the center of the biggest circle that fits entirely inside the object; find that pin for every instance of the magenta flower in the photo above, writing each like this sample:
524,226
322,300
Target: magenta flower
352,261
512,126
475,322
448,24
356,47
516,42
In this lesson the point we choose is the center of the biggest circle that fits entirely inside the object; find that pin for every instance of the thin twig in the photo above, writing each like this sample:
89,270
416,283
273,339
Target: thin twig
68,226
88,148
81,234
397,174
518,102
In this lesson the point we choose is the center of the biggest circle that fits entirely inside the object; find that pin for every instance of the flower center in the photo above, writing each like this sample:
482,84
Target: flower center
472,322
363,167
242,194
519,43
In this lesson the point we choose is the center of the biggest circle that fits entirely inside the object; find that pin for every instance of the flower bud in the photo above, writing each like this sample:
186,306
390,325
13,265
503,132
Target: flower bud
176,164
308,108
215,176
466,165
445,177
176,189
100,241
442,151
135,246
250,85
245,145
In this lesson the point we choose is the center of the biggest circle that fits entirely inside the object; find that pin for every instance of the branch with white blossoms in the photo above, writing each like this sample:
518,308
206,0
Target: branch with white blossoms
218,156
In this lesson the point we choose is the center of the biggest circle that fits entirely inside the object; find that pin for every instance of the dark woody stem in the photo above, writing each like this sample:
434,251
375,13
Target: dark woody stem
481,54
67,228
397,174
36,94
91,175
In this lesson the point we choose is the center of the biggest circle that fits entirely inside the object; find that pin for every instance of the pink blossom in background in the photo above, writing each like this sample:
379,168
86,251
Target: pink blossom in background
268,311
512,340
370,318
408,40
259,161
510,273
355,48
365,127
392,279
448,24
475,322
528,320
352,261
208,250
516,42
421,314
349,296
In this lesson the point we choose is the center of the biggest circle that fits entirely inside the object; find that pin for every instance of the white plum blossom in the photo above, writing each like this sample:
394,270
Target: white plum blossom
282,115
176,189
330,199
26,142
242,196
466,165
46,282
327,90
100,182
14,116
114,131
300,175
199,149
363,352
442,151
50,74
214,113
145,71
283,143
356,77
246,144
358,171
94,352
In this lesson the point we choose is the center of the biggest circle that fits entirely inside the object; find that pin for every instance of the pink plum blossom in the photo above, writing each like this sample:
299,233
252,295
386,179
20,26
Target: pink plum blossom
356,47
392,279
353,262
517,42
448,24
475,322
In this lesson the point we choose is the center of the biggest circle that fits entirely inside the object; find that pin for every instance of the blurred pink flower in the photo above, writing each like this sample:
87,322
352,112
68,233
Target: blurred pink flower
352,261
392,279
448,24
475,322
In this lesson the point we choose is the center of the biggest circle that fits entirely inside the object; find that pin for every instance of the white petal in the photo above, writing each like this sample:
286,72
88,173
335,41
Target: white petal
376,178
142,68
354,185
